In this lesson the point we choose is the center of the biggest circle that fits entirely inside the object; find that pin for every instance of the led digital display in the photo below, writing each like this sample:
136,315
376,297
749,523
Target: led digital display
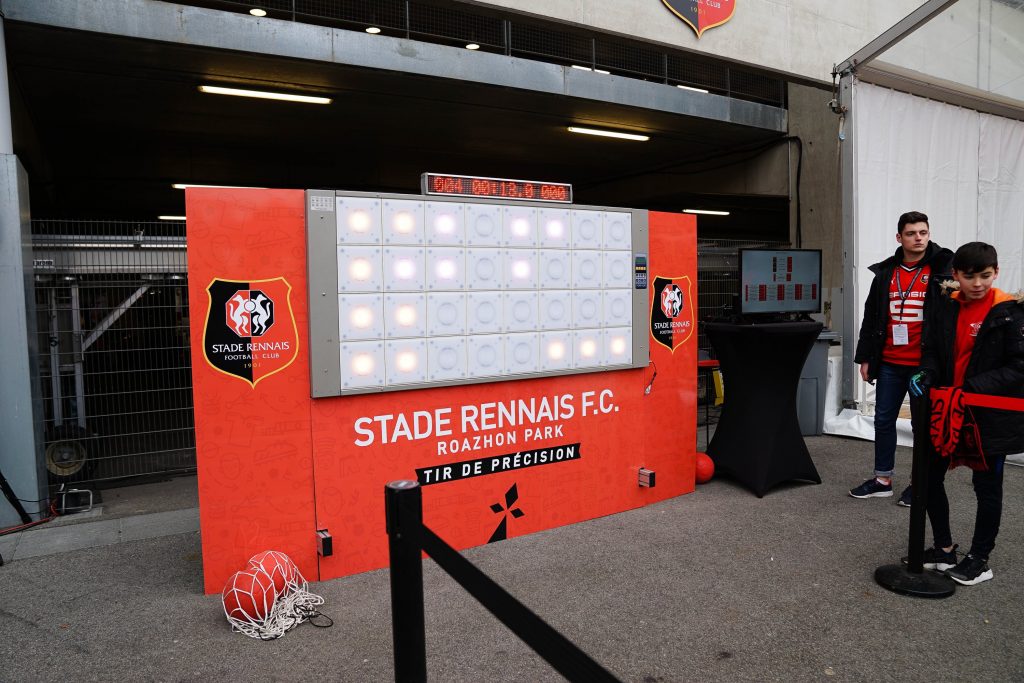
446,291
495,188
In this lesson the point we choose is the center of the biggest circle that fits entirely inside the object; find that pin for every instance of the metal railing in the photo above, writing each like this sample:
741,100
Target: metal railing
443,23
408,539
112,315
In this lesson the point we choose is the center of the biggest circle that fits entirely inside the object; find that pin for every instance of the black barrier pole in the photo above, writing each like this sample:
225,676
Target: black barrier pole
911,579
13,499
403,507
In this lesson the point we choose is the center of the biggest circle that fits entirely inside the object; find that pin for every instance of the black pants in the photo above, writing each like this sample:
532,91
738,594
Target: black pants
988,487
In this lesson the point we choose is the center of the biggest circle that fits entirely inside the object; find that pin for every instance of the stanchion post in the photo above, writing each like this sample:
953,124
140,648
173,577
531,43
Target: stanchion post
403,507
911,579
919,482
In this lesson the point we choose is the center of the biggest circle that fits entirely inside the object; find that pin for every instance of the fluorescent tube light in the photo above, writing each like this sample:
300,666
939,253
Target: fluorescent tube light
472,46
707,212
257,12
372,29
609,133
170,218
686,87
261,94
587,68
182,186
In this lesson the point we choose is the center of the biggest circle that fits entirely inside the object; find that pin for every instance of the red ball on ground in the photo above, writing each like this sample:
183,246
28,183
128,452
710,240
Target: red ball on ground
705,468
278,566
249,595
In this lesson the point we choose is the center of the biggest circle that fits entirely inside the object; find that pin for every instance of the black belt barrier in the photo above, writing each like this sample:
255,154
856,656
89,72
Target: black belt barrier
407,537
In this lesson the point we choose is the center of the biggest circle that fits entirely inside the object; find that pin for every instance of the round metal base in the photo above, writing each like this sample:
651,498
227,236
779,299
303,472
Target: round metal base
927,584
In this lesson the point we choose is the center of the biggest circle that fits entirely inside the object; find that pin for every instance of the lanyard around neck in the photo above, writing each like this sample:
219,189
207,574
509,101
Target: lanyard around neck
910,287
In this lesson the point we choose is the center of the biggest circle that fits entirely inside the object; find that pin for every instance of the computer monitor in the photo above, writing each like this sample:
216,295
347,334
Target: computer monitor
780,281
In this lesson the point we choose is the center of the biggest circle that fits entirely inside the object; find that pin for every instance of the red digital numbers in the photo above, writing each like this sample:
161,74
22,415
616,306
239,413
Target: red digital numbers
465,186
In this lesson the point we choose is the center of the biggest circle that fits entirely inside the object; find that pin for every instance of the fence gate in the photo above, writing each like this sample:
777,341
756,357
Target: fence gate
114,362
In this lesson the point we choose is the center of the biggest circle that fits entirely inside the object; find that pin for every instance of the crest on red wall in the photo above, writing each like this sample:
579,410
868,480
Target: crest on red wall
702,14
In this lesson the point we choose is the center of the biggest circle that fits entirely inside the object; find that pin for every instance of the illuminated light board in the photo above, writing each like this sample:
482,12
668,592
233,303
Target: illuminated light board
495,188
409,292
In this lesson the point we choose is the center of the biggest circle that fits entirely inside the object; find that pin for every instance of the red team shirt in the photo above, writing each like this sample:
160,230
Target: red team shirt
913,283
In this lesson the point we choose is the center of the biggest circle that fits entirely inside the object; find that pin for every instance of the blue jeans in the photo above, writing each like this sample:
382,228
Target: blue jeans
890,390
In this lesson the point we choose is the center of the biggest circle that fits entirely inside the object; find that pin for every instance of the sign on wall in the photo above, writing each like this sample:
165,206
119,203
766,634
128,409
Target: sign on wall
496,459
702,14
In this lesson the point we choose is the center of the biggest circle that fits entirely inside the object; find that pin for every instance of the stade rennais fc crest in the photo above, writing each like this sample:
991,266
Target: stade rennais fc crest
702,14
250,330
672,314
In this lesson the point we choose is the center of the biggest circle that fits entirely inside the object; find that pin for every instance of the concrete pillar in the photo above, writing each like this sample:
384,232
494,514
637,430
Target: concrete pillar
21,414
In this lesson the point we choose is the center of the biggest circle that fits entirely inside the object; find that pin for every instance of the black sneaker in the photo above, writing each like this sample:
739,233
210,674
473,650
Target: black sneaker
872,488
904,500
937,559
971,571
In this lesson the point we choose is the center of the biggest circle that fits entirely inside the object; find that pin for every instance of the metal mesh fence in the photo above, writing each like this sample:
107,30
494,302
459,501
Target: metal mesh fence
114,361
439,22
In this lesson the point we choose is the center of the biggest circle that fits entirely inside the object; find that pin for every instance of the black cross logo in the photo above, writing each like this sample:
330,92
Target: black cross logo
511,496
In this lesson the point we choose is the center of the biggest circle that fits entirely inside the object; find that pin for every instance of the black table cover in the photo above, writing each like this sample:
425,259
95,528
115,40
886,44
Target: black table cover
758,441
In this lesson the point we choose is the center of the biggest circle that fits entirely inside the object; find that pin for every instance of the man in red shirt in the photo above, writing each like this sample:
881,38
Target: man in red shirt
889,347
975,341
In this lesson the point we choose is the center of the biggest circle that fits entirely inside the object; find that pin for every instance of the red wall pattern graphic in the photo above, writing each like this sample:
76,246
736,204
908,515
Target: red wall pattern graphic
275,465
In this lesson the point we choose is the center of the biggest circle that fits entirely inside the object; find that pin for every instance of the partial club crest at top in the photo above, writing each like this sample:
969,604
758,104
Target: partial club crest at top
672,314
702,14
250,330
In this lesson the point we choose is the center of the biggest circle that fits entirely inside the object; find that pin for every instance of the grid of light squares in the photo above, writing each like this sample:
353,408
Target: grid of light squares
438,291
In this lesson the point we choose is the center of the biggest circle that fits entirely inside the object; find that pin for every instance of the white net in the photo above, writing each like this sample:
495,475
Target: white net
270,597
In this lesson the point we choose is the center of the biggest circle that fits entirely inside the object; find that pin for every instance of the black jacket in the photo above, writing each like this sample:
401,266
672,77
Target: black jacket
875,324
996,366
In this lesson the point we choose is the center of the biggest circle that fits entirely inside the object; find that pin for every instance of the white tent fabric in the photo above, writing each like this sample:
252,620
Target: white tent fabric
963,168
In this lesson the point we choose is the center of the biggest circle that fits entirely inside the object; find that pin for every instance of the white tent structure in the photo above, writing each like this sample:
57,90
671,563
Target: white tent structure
931,118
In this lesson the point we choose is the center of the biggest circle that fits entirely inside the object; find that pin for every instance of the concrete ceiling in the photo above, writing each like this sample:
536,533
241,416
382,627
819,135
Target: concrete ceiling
106,124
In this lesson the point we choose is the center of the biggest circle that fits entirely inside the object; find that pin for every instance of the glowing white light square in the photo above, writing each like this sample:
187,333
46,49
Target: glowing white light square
405,361
556,350
362,364
445,223
486,355
519,226
618,307
586,229
520,311
483,312
618,269
405,315
555,228
446,358
555,309
360,316
483,225
358,220
588,348
618,346
521,268
446,313
587,271
555,268
403,269
446,268
484,269
618,232
359,269
521,353
586,309
403,221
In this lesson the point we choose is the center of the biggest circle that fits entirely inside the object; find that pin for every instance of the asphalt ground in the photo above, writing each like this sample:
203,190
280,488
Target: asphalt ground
717,585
